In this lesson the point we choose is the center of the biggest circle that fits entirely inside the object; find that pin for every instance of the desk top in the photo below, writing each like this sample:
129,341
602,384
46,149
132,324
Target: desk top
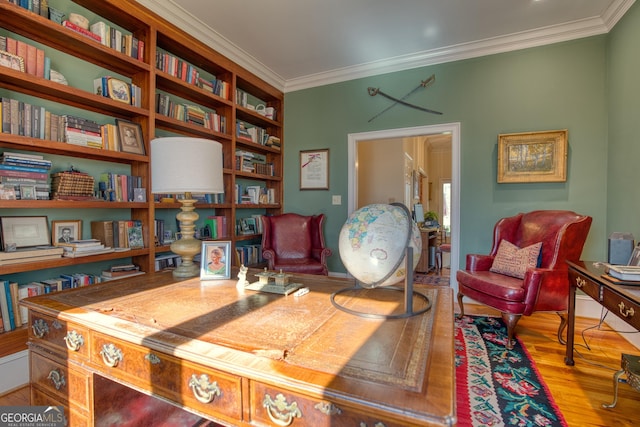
304,344
597,271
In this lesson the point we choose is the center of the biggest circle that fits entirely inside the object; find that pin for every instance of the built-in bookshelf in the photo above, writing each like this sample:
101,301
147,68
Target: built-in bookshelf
204,95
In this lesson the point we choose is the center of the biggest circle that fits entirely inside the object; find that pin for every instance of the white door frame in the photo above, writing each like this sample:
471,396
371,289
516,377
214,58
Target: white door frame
454,130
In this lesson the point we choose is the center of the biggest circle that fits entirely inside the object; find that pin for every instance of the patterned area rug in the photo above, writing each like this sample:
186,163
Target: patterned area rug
496,386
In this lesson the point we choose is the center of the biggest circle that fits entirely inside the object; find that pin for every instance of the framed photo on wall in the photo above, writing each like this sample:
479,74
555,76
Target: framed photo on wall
532,157
215,261
130,134
66,231
314,169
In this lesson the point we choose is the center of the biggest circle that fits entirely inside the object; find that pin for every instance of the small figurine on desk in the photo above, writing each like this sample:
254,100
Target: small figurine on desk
242,277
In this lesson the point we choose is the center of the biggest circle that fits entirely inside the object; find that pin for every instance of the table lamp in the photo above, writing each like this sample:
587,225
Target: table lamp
186,165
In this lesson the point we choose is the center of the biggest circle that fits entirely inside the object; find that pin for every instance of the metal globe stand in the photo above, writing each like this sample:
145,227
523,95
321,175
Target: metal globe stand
409,293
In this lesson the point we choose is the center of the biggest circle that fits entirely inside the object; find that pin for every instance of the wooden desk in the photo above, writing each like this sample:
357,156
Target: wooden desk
621,300
242,358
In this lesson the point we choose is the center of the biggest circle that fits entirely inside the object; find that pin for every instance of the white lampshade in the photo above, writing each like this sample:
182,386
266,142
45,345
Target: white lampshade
183,165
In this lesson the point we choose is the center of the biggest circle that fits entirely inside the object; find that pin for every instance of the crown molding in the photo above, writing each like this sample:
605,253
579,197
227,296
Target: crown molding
522,40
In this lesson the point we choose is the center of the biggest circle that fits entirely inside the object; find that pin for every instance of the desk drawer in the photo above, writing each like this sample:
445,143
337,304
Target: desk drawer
622,307
74,418
68,337
585,284
271,406
59,380
200,388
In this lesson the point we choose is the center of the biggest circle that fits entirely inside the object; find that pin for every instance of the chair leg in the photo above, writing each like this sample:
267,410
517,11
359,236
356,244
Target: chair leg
511,320
563,325
460,296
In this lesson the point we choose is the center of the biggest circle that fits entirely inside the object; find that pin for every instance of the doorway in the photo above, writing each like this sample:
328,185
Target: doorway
454,190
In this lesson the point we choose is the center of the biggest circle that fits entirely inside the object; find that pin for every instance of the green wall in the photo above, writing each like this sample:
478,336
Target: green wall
623,87
560,86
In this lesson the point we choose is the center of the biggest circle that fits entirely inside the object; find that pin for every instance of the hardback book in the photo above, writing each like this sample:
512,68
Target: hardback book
32,259
625,272
102,231
30,253
6,307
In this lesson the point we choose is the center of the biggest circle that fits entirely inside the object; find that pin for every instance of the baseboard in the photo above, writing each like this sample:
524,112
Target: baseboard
14,371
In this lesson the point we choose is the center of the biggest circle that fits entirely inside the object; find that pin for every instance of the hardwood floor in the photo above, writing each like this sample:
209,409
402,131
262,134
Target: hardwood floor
579,390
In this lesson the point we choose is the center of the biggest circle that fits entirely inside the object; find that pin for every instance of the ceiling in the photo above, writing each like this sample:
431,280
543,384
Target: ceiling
295,44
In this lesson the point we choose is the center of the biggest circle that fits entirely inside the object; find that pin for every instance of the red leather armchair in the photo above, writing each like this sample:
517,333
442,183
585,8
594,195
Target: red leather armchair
546,288
295,243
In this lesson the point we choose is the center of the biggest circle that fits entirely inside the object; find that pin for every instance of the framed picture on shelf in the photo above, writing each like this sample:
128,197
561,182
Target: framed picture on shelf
27,192
635,257
12,61
119,90
314,169
66,231
215,262
25,231
532,157
7,192
130,137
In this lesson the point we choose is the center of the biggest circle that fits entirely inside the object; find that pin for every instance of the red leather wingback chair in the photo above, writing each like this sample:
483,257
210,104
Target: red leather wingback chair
562,233
295,243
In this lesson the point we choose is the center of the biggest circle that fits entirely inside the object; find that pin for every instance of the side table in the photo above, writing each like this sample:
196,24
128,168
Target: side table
631,367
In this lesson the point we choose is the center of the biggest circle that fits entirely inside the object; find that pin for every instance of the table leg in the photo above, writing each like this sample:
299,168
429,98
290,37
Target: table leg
571,324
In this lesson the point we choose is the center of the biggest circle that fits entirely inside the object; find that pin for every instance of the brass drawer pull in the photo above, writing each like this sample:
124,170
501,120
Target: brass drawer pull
57,379
281,412
328,408
203,389
74,340
624,311
152,358
580,282
40,328
378,424
111,355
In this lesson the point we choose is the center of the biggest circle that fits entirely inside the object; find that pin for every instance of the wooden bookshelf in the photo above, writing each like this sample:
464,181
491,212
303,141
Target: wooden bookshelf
157,35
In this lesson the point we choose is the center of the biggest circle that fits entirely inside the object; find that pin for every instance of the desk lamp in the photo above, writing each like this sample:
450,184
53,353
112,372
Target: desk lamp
186,165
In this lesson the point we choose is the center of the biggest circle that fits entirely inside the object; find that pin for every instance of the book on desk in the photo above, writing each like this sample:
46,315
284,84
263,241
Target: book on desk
627,273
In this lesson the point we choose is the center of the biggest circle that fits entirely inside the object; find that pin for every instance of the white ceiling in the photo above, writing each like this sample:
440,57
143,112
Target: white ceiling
294,44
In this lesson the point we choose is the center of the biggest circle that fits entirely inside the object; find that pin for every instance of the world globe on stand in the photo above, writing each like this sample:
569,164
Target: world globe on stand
372,244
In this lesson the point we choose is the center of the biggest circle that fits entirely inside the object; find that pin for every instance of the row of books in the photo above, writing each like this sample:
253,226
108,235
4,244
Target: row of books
115,39
118,234
167,261
27,175
190,113
217,226
40,7
114,187
249,254
249,132
188,73
247,161
26,57
254,194
22,255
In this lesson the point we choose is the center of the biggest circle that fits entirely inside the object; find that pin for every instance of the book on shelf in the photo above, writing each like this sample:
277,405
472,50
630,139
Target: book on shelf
103,231
75,254
31,259
36,252
6,307
625,272
15,298
81,30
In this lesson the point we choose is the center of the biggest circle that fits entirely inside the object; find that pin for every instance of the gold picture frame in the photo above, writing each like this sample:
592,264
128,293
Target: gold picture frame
532,157
12,61
130,135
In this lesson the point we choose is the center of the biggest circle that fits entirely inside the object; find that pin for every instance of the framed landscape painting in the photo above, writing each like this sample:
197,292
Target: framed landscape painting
532,157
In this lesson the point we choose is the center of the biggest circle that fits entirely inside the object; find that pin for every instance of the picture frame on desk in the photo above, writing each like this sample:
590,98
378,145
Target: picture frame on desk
131,140
532,157
25,231
215,261
635,257
66,231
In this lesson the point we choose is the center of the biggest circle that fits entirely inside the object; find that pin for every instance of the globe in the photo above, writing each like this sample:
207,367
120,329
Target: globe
372,244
